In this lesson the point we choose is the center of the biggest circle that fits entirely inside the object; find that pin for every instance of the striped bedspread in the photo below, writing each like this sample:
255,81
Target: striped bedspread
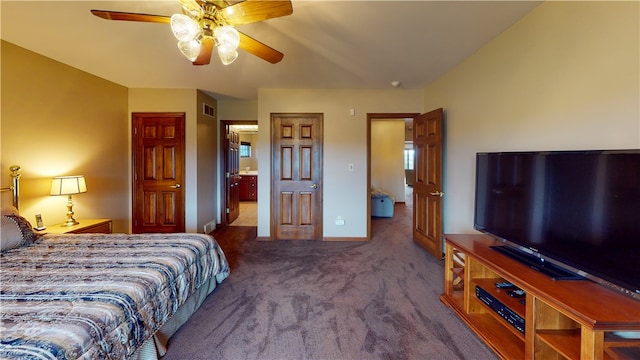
98,296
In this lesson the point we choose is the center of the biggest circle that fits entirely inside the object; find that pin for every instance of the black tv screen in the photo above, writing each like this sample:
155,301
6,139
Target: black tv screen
577,208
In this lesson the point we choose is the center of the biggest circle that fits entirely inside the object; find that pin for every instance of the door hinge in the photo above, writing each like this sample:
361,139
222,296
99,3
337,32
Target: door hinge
228,175
228,211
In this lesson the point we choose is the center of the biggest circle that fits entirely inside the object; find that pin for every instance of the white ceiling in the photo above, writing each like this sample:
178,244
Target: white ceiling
363,44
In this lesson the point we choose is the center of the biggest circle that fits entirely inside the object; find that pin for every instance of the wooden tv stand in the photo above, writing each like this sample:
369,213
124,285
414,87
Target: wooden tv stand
567,319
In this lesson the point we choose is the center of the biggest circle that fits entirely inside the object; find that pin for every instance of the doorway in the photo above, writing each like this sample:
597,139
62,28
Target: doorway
428,130
239,178
400,191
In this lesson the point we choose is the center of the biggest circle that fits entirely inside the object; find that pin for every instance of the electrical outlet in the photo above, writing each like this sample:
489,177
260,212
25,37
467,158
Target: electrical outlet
339,221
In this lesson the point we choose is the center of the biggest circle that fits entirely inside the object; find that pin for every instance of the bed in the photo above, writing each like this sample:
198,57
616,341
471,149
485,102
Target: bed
99,296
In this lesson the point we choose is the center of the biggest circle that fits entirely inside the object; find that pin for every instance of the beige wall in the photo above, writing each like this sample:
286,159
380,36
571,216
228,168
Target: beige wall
345,142
201,149
564,77
57,120
207,165
238,109
387,157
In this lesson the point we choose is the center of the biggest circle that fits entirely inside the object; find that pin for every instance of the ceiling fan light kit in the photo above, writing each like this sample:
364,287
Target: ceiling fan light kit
208,23
190,33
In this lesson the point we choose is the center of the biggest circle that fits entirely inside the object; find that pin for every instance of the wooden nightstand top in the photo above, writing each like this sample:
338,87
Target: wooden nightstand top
85,226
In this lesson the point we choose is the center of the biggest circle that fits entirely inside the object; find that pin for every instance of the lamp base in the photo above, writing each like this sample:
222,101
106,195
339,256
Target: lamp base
70,222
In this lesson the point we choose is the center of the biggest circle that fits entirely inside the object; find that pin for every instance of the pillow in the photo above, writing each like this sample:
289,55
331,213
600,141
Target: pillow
15,232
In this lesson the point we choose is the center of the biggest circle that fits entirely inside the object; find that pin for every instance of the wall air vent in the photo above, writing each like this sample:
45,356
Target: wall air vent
208,110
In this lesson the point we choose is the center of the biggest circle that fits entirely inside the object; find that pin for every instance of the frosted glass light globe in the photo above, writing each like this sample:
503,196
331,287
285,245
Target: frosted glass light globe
227,38
184,28
190,49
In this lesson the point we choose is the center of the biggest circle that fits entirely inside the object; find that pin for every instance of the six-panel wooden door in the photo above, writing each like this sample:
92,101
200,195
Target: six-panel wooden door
232,175
158,172
427,185
296,175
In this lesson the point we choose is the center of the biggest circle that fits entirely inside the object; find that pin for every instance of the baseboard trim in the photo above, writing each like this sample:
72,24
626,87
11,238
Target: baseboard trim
264,238
344,239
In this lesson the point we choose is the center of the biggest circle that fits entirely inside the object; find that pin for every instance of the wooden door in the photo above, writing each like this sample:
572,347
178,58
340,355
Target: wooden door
232,174
427,184
158,172
296,176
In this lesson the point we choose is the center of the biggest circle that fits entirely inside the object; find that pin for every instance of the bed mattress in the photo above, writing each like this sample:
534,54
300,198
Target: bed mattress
98,296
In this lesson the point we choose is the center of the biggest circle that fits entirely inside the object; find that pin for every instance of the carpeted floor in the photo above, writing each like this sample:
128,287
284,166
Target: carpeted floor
328,300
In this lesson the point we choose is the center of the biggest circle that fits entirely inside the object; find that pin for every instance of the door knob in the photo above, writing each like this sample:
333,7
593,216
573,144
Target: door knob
437,193
176,186
314,186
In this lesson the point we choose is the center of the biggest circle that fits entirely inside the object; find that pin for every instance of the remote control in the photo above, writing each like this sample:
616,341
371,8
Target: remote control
516,293
504,285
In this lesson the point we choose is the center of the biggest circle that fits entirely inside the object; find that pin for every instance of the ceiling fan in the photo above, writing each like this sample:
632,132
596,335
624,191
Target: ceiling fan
205,24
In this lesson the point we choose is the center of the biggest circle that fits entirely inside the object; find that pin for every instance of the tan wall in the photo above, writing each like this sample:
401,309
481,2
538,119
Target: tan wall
207,164
57,120
345,142
387,157
564,77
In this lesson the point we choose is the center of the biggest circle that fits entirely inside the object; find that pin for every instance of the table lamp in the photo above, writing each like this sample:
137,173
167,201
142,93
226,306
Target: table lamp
69,185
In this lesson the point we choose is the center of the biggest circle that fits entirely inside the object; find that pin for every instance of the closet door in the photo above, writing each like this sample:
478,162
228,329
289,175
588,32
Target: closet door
158,172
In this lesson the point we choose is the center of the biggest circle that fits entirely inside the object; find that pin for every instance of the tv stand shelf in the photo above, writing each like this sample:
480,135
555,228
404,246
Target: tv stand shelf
569,319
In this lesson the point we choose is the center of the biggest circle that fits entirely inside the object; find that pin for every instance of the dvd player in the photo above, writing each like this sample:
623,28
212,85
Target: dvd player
501,309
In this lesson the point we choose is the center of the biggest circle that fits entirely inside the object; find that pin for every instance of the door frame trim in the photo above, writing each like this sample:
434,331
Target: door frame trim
372,117
223,162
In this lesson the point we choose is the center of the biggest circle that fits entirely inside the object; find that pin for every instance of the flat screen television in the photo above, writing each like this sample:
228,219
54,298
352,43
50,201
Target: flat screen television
577,210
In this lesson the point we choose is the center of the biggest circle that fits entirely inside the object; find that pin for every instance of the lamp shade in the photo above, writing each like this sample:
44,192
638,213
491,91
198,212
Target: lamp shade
68,185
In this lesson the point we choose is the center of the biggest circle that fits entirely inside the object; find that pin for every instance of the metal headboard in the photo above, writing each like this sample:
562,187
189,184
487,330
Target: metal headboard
15,185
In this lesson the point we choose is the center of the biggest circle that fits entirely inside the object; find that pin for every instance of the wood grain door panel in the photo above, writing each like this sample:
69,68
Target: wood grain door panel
158,167
232,175
296,176
427,187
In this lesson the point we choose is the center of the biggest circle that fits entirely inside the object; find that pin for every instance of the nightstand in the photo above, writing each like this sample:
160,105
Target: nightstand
102,226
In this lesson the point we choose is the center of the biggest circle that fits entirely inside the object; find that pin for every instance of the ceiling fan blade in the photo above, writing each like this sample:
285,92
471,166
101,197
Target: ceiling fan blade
191,6
255,47
127,16
206,48
251,11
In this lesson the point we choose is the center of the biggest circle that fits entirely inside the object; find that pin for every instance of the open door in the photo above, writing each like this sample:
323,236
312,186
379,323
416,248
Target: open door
232,181
427,184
